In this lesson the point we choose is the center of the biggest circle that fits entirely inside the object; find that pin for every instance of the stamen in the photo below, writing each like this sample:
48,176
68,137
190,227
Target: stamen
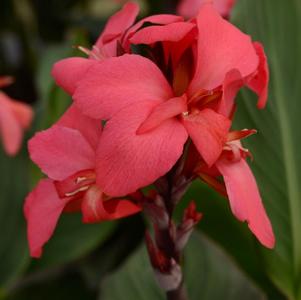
81,189
80,179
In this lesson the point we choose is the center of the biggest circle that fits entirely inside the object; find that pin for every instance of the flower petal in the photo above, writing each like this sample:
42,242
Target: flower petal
259,83
88,127
224,7
127,161
67,72
118,23
208,131
190,8
118,82
96,209
173,32
23,113
232,84
245,200
61,152
221,48
42,210
162,112
10,128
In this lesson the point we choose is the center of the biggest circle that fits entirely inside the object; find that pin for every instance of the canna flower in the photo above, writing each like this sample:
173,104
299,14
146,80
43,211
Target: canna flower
190,8
185,89
66,154
15,118
151,115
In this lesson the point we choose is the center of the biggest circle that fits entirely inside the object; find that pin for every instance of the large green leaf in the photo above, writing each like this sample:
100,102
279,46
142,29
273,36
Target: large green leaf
276,148
13,188
63,285
72,240
209,274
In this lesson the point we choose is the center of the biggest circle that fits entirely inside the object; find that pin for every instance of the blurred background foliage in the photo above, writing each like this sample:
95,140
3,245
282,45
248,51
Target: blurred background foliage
108,261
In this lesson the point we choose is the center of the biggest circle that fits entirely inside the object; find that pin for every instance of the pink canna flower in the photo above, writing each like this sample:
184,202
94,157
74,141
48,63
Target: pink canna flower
190,8
66,153
15,118
186,88
150,118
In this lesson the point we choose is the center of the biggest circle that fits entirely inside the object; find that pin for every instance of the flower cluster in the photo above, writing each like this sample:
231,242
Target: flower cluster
135,116
15,117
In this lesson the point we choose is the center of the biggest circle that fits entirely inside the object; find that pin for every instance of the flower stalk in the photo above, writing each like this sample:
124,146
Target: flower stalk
166,249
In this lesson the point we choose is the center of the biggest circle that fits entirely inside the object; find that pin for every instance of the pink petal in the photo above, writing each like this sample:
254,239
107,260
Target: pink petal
67,72
96,209
224,7
23,112
118,82
88,127
190,8
42,210
259,83
221,48
208,131
245,200
118,24
10,128
240,134
60,152
232,84
155,19
127,161
173,32
162,112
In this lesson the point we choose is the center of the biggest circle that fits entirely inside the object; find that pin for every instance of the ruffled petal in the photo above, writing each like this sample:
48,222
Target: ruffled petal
127,161
60,152
232,84
221,48
118,82
173,32
162,19
208,131
260,81
245,200
68,72
42,210
88,127
117,25
190,8
96,209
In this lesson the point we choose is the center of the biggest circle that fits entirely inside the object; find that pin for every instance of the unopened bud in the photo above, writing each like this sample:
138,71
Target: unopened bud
190,219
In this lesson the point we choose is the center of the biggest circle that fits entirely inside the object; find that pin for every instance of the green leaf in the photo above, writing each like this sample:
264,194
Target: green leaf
13,188
65,285
72,240
209,274
276,149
